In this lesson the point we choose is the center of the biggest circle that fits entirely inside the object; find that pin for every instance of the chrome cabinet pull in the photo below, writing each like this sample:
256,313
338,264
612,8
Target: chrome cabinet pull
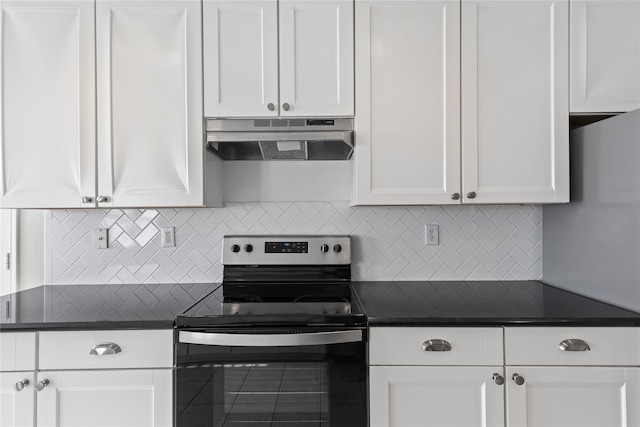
270,106
87,199
40,385
471,194
103,199
286,106
574,344
519,380
455,196
105,348
22,384
498,379
436,345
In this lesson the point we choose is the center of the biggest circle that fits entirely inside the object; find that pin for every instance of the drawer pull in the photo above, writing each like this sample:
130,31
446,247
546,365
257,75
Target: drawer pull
105,348
436,345
573,344
22,384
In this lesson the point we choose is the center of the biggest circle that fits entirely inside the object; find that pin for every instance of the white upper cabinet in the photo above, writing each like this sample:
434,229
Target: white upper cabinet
47,103
408,99
270,58
515,127
149,103
605,55
462,102
143,60
241,58
316,58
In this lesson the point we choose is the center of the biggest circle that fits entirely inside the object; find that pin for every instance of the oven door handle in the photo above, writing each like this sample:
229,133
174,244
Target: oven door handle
270,340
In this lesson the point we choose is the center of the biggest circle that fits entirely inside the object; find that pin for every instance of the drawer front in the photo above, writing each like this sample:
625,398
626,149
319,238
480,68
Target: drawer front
419,346
120,349
566,346
17,351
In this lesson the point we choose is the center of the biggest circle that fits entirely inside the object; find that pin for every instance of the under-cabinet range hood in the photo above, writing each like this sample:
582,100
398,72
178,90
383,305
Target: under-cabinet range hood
280,139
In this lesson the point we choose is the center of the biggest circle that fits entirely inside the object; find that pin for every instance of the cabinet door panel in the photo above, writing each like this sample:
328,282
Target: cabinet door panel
240,58
47,116
149,103
515,101
408,96
605,55
106,398
435,396
17,407
573,397
316,58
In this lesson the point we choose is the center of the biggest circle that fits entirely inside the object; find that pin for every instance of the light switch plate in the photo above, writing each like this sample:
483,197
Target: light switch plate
101,238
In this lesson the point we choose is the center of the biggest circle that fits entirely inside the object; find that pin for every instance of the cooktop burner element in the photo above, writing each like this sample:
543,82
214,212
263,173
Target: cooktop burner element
302,280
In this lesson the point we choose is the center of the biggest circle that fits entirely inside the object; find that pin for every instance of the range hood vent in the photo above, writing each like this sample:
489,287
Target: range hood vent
280,139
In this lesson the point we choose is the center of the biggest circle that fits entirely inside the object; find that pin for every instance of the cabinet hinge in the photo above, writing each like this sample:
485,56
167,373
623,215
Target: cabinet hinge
8,261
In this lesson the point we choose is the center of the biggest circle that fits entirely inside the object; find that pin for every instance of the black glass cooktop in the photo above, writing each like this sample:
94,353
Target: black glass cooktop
269,304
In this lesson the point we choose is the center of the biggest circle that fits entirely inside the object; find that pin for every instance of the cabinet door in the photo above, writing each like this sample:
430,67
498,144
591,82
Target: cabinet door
150,135
605,55
133,398
573,397
240,58
515,131
413,396
47,104
408,99
316,58
17,407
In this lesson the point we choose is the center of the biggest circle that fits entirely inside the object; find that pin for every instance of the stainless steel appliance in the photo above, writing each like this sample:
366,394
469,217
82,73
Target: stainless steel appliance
280,343
280,139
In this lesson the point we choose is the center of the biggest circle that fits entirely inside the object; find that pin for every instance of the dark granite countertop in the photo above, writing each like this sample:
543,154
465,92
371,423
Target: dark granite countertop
62,307
485,303
66,307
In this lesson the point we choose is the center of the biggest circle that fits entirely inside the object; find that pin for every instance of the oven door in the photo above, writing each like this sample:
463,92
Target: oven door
271,379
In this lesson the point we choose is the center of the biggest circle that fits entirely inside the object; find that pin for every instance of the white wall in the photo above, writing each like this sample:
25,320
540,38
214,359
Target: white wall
30,257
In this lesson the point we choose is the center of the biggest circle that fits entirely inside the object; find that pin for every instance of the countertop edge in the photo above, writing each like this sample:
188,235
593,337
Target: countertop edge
88,326
413,322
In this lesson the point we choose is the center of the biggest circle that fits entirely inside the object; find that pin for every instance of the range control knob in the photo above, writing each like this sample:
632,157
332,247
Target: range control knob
337,248
248,248
235,248
324,248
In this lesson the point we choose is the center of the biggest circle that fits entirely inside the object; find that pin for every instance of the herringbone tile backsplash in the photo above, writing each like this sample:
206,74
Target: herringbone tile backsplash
388,243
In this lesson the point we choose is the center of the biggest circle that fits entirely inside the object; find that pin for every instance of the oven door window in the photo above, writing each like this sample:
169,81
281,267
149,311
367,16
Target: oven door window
311,386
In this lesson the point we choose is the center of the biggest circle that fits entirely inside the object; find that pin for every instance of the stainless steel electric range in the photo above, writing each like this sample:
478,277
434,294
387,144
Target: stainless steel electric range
282,344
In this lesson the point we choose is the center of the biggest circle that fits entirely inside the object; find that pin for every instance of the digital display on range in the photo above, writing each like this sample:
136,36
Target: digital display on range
286,247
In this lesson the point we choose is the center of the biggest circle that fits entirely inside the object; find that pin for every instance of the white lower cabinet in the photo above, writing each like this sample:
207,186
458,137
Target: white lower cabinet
561,396
572,377
105,398
87,379
444,377
17,377
443,396
17,407
553,377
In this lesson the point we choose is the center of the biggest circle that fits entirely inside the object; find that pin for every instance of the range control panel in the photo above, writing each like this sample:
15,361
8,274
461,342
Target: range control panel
286,250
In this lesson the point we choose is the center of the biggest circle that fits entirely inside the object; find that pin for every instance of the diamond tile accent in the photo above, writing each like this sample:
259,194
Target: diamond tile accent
476,242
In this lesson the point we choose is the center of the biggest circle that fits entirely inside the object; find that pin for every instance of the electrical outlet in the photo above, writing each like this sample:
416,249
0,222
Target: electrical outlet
100,238
431,235
168,237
